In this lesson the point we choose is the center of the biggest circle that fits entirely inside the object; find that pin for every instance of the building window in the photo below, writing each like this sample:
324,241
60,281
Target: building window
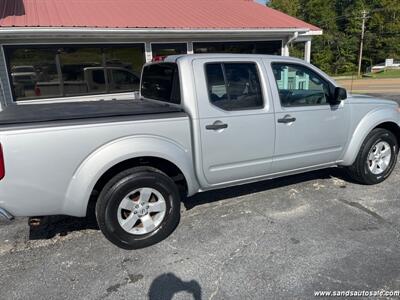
40,72
77,69
28,66
161,50
256,47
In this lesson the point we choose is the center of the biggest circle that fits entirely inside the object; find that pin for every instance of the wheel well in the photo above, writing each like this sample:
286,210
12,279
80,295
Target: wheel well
392,127
161,164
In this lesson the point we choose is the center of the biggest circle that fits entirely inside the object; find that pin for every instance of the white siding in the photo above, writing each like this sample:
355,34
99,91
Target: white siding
5,93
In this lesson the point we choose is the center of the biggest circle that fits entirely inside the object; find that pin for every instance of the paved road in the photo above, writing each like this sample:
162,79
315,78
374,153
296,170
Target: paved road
278,239
390,86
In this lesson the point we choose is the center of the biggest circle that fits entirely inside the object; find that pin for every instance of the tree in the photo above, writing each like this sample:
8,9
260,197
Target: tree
336,51
289,7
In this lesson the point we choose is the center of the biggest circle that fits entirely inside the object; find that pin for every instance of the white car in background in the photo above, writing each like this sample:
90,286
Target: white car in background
383,66
23,74
23,78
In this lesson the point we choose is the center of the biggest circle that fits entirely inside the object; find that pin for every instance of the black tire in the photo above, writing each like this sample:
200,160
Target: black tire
360,171
120,186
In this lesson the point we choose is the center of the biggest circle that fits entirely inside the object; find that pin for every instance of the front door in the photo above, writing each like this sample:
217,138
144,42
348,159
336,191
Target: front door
236,120
309,131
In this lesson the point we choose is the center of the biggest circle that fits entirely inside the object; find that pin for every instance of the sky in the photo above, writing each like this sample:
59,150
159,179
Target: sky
261,1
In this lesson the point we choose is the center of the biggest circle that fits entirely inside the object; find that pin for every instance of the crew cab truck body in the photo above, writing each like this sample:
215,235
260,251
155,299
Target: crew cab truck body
203,122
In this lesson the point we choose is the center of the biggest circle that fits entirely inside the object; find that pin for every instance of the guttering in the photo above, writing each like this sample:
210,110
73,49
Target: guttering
295,36
313,33
139,31
285,50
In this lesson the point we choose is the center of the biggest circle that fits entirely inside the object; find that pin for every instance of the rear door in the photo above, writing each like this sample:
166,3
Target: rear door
236,120
309,131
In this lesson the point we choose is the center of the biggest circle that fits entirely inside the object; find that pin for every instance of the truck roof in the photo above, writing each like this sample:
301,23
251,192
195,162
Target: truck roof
175,58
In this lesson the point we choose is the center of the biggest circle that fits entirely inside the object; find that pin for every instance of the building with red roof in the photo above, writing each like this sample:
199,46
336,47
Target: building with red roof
74,39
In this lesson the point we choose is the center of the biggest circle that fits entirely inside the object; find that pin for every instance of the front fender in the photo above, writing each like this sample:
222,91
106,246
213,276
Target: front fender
371,120
107,156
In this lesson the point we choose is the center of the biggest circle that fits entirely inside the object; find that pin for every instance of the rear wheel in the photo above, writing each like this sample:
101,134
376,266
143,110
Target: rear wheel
138,208
377,157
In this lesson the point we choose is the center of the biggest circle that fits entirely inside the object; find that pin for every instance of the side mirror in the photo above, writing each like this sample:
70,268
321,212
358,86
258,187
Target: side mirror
338,95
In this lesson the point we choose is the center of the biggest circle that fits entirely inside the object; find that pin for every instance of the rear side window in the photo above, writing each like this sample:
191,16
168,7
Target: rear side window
161,82
234,86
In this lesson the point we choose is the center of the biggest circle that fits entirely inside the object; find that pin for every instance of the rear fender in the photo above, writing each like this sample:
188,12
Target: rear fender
109,155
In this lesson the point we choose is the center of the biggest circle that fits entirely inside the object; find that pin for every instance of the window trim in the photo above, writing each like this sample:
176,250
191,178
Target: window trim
63,98
320,76
222,63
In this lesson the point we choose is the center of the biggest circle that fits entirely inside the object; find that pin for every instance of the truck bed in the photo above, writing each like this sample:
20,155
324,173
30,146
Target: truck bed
33,113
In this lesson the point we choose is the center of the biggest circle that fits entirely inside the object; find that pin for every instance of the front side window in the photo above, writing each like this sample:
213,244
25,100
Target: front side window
300,86
40,72
234,86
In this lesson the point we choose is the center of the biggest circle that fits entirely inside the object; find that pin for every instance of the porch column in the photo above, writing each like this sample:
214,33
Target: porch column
307,51
148,52
190,47
285,48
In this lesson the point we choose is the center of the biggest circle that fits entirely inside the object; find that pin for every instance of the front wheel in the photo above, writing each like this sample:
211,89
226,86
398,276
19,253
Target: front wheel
377,157
138,208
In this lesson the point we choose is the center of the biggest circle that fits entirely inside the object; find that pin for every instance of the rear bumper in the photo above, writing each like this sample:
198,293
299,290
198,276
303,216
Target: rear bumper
5,214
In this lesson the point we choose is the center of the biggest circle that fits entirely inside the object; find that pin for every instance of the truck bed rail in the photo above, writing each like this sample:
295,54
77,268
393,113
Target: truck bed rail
33,113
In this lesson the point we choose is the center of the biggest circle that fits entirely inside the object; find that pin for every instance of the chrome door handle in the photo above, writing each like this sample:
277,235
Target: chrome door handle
216,126
287,119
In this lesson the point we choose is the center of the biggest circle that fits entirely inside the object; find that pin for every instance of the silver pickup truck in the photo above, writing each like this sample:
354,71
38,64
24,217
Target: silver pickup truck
203,122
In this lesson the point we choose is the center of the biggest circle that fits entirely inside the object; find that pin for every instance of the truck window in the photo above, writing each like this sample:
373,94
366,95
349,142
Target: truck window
161,82
123,80
73,62
234,86
98,77
300,86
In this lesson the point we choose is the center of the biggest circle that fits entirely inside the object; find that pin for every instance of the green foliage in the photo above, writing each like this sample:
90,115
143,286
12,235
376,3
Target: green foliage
336,51
387,74
290,7
297,50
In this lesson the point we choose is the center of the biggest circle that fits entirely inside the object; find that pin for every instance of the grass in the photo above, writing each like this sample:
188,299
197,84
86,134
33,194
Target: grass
382,74
386,74
346,74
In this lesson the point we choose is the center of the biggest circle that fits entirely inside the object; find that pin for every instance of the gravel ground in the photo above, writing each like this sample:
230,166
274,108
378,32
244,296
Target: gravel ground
277,239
